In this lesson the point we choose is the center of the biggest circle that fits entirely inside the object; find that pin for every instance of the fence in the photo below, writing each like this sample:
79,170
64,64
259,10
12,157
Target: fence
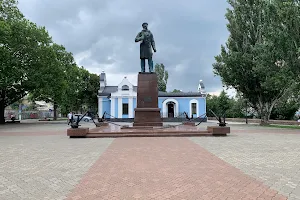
279,122
28,114
171,115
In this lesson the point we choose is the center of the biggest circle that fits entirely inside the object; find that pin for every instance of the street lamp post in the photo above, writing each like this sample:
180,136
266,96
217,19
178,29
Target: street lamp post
246,114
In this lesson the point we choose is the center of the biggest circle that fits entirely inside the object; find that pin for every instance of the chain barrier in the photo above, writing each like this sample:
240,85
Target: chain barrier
205,117
179,116
191,120
164,127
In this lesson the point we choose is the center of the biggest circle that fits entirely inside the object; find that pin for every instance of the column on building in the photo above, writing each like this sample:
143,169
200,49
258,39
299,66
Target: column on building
120,107
112,106
100,106
130,107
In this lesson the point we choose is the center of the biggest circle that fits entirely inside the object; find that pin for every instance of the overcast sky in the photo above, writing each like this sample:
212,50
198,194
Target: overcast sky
100,34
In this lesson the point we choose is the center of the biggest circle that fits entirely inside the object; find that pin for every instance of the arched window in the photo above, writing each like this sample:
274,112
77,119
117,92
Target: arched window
125,87
194,107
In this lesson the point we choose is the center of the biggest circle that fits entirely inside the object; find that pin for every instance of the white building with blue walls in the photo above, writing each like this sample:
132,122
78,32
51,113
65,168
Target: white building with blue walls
119,101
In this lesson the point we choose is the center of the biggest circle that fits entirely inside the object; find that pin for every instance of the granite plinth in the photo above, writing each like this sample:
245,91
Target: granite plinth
118,131
44,120
98,124
189,123
13,122
77,132
113,131
137,127
147,112
218,130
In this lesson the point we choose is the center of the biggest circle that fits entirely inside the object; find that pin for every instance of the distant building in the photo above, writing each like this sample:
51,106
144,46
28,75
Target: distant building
298,113
43,106
120,101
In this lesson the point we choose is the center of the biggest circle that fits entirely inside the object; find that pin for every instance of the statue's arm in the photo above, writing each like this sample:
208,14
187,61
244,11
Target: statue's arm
153,43
139,37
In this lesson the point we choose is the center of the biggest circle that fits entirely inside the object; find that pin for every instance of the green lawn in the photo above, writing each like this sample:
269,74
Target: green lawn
284,126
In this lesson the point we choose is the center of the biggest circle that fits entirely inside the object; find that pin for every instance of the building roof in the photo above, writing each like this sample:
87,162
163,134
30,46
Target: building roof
111,89
180,94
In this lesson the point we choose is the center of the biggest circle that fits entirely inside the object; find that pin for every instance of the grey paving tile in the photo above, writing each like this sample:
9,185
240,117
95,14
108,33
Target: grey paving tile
45,167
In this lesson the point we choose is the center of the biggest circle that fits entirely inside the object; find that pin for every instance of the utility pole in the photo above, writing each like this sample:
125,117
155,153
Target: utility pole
246,114
20,111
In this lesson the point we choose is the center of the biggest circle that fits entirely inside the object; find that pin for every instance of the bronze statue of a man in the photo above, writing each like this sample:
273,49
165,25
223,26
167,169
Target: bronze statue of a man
145,37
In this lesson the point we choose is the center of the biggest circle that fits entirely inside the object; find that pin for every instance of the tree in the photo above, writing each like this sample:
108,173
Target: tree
53,74
218,104
88,90
91,92
162,76
260,59
286,107
176,91
232,107
71,100
81,92
211,104
224,103
30,63
20,51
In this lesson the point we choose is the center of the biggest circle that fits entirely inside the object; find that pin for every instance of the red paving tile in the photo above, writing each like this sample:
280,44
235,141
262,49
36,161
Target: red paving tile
165,168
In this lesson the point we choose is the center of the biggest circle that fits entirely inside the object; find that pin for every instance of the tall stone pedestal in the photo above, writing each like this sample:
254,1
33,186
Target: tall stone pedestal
147,112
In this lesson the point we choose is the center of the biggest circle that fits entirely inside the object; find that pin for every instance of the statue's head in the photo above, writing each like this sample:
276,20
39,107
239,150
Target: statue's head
145,26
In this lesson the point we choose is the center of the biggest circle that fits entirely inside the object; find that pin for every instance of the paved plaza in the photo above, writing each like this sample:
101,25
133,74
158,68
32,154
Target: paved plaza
38,161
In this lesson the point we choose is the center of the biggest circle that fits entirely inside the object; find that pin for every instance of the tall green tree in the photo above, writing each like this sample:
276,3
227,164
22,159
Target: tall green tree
218,104
53,76
212,104
91,92
286,107
71,99
88,90
81,92
162,76
21,42
222,104
260,58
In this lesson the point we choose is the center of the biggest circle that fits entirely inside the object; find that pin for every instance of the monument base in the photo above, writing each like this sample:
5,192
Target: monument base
147,117
189,123
13,122
77,132
218,130
98,124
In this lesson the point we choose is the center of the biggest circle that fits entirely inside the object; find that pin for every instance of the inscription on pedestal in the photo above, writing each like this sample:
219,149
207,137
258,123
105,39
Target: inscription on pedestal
148,99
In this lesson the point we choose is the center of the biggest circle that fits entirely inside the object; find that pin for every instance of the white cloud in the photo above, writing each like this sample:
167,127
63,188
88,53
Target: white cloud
101,35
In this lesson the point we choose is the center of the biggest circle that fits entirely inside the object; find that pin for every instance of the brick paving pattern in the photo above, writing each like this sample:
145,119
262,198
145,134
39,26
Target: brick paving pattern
38,161
271,158
166,168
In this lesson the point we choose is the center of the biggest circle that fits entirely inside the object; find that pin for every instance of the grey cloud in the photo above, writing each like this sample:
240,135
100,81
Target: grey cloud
101,35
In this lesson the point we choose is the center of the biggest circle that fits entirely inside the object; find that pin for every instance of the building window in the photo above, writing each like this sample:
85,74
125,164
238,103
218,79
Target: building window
194,108
125,108
125,87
